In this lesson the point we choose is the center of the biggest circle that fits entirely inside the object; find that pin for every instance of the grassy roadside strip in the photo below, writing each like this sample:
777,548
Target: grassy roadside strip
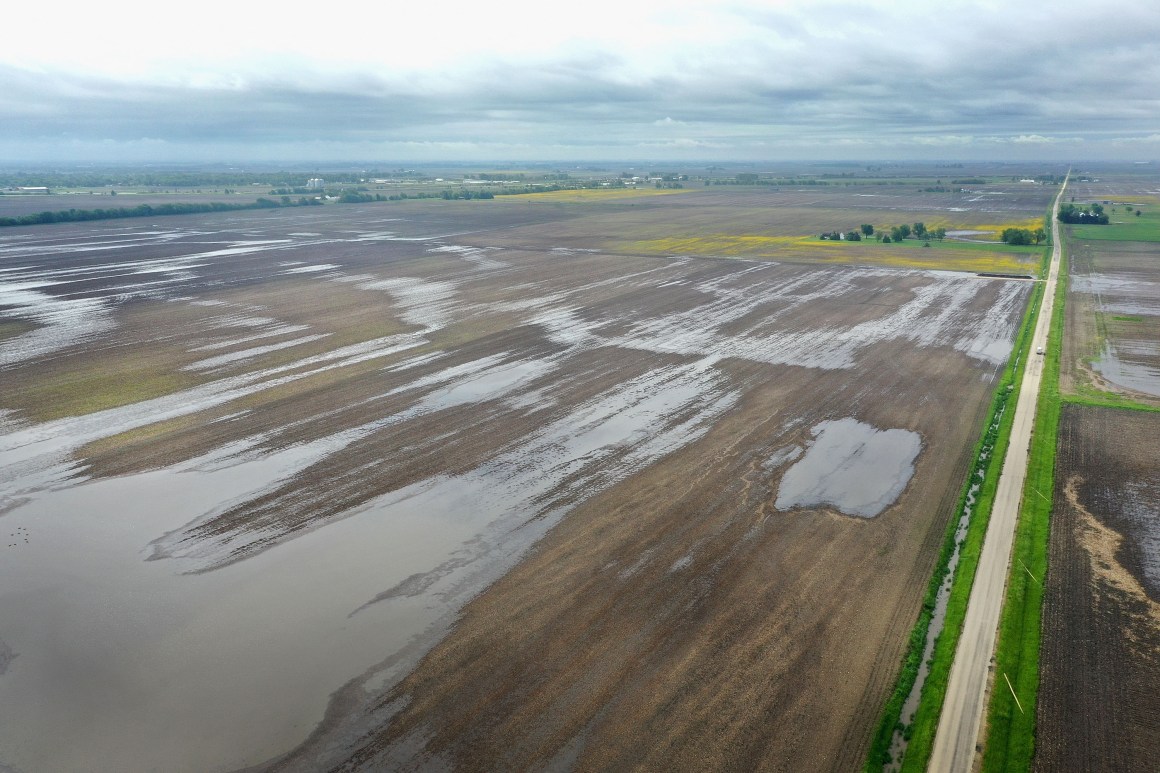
1010,739
996,431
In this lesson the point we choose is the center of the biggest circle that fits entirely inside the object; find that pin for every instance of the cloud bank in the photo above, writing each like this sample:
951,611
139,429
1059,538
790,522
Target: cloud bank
740,80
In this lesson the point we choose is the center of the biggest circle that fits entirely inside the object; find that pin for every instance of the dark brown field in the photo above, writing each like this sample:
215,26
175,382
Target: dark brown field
1099,708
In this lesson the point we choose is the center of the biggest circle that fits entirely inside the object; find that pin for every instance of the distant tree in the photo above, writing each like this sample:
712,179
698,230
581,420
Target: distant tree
867,229
904,229
940,233
1039,235
885,239
853,236
919,230
1137,213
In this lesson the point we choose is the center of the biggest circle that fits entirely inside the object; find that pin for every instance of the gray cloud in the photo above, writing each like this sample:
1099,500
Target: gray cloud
828,79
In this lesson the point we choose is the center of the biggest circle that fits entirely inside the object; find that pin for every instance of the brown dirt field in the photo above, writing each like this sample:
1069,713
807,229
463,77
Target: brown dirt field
1099,708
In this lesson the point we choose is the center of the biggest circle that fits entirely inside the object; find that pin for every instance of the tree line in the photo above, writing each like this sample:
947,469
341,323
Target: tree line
188,208
148,210
895,233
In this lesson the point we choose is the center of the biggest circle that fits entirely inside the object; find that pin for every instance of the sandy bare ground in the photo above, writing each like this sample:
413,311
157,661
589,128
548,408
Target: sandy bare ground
957,738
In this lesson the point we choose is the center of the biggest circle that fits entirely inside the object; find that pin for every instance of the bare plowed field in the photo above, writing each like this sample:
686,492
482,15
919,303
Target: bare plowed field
389,486
1099,708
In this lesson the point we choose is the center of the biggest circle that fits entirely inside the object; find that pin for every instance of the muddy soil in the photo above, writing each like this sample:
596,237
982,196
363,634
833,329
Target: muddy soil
1099,708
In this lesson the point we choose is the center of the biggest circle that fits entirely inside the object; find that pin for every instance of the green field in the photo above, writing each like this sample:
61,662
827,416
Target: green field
1126,226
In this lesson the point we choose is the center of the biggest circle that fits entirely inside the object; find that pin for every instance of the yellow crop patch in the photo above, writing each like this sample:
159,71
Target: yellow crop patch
943,256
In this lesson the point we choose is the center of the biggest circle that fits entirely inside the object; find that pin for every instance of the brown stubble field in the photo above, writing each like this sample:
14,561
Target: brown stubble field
476,397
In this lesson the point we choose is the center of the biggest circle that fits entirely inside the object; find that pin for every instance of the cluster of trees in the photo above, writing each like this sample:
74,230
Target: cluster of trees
296,190
895,234
1023,236
919,231
1090,214
1046,179
353,197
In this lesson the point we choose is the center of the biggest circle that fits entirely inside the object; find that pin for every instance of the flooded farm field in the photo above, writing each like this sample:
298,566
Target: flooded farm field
1114,318
395,485
1101,613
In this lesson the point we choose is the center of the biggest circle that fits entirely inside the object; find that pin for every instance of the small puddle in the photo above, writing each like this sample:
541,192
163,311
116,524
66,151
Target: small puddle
851,466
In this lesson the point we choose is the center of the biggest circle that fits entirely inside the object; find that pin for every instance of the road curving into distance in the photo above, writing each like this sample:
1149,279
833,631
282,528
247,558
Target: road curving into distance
961,721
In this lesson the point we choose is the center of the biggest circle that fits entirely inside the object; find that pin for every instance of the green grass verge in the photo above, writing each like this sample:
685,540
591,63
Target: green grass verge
1089,395
992,444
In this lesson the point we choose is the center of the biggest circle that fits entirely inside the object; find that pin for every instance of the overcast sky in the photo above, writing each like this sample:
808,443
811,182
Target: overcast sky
493,80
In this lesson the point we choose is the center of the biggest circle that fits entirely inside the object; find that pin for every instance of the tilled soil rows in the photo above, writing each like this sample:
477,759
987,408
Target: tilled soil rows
1099,708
